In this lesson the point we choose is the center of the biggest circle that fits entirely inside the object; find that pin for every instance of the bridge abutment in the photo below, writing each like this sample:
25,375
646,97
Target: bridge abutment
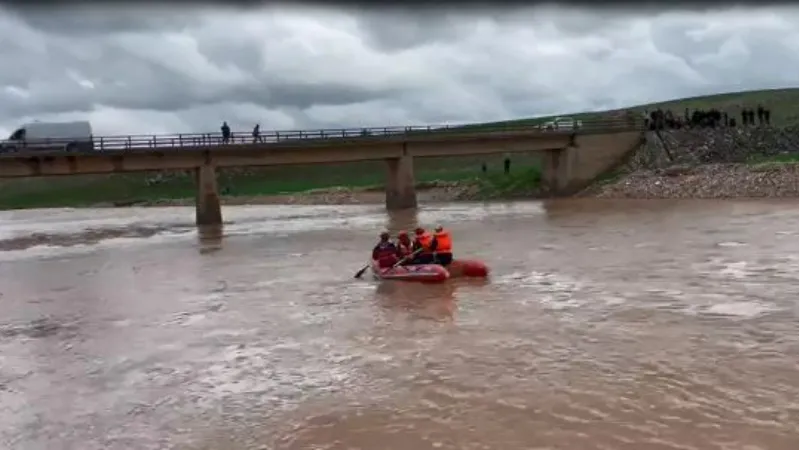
207,207
400,190
557,169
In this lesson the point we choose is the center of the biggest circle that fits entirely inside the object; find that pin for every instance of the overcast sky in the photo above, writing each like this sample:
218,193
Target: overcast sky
151,70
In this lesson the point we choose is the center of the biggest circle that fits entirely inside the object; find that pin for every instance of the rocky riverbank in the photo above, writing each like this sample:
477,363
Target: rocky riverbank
706,181
708,163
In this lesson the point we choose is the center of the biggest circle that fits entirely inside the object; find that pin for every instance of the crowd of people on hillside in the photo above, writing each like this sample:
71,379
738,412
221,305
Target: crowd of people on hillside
660,119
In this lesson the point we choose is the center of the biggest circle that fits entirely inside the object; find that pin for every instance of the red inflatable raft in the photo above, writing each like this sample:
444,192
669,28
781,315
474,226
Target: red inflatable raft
432,273
468,268
426,273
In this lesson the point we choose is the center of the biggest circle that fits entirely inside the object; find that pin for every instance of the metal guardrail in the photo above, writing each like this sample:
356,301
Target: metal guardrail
199,140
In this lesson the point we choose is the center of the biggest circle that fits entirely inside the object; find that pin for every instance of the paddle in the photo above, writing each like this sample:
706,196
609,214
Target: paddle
411,255
364,269
361,272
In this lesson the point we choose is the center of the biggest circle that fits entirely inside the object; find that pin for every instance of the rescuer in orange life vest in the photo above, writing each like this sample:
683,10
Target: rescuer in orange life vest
404,245
385,252
426,244
443,253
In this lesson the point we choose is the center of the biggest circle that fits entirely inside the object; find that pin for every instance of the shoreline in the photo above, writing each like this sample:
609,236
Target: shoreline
708,181
471,190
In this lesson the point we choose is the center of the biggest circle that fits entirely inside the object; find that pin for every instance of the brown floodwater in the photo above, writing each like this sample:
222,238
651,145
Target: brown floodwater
605,325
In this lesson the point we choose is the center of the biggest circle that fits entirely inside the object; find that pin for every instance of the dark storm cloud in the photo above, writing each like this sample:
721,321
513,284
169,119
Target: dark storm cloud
93,20
152,69
127,71
394,31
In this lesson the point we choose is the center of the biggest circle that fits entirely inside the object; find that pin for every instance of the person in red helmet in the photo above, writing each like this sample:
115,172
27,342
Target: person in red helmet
425,244
385,252
404,245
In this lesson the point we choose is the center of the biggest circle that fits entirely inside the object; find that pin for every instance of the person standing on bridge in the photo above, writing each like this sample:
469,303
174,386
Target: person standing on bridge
226,132
257,134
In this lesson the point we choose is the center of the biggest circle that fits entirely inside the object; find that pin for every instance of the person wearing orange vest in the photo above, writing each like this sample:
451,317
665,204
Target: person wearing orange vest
444,246
425,244
404,245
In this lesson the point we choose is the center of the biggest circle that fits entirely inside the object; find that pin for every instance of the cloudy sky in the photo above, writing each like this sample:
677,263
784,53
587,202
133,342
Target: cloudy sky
151,70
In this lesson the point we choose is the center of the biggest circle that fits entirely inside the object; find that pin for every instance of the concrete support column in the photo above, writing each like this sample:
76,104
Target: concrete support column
208,210
557,169
400,191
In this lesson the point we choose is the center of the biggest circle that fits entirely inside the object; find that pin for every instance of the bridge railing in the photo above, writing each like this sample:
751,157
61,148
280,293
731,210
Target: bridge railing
199,140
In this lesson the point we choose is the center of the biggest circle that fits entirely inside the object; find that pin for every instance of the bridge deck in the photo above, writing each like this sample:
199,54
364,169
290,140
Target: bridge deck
325,137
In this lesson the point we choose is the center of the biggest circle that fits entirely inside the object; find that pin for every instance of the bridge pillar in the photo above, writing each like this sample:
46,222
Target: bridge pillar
557,169
400,191
207,207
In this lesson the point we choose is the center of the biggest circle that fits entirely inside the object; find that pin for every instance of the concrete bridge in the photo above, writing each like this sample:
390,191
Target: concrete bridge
570,158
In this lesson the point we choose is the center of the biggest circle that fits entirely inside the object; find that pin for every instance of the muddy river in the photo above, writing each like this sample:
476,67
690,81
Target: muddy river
605,325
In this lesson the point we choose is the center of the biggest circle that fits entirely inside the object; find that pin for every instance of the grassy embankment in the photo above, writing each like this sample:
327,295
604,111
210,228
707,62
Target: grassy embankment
525,174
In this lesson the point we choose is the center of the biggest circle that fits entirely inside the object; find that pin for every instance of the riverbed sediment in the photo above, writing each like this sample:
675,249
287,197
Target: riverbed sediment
771,180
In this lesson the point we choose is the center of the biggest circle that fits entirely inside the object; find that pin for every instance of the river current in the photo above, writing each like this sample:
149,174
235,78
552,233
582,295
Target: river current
605,325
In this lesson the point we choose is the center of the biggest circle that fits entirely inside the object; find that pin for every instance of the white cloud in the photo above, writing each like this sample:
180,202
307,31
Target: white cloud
140,72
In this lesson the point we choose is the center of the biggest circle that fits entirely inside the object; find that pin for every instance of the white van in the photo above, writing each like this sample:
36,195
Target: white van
50,136
562,123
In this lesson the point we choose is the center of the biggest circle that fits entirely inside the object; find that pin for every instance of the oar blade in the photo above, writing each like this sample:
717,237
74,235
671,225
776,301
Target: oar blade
361,272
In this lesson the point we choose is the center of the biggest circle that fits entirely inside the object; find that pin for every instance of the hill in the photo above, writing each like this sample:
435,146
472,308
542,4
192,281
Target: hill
782,102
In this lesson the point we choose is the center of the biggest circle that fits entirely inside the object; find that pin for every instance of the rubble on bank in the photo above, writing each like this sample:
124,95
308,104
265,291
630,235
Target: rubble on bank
706,181
713,145
707,163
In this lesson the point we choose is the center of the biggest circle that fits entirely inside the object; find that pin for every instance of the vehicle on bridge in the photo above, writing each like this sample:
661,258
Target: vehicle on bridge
562,123
50,136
